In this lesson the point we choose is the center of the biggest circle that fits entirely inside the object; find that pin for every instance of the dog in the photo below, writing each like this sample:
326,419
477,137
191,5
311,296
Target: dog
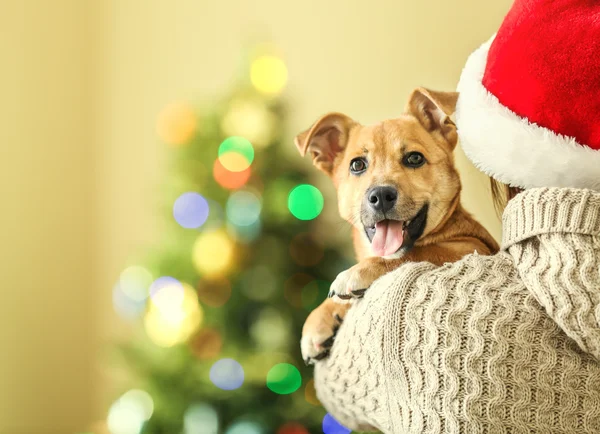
398,187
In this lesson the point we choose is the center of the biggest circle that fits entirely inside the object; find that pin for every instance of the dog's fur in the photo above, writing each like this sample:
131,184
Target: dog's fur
428,197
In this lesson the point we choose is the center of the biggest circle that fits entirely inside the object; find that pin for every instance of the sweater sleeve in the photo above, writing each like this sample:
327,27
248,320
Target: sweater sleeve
351,383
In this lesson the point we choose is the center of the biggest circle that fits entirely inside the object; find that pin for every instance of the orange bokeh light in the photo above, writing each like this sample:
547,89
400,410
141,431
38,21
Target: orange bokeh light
228,179
292,428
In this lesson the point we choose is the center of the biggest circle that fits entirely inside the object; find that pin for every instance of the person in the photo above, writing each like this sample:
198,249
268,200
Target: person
508,343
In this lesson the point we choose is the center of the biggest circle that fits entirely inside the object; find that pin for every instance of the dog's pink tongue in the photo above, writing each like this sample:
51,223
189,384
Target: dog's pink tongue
388,237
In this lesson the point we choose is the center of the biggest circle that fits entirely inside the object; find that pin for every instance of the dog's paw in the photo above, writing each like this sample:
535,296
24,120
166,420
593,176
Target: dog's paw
319,333
354,282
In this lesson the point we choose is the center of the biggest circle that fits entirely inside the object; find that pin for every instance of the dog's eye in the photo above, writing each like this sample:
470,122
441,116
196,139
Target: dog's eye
413,159
358,165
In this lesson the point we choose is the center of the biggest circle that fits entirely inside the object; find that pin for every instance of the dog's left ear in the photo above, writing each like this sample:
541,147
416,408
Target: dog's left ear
433,110
325,140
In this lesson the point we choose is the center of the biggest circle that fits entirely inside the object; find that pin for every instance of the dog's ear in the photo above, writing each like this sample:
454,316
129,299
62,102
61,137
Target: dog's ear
325,140
433,110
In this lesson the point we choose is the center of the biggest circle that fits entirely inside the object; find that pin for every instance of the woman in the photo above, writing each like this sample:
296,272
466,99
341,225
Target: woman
511,342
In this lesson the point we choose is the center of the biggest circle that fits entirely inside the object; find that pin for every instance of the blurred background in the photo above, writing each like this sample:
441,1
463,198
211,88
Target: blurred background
162,241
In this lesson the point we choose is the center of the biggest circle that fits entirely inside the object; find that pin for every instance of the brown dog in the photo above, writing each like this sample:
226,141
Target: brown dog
398,186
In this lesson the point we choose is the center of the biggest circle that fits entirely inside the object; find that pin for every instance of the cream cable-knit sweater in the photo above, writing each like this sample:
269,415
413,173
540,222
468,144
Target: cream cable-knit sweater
491,344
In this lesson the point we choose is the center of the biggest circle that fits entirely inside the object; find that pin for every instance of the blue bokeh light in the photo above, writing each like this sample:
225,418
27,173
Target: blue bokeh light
191,210
332,426
227,374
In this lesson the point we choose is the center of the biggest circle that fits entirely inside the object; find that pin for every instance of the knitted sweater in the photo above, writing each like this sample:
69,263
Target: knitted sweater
490,344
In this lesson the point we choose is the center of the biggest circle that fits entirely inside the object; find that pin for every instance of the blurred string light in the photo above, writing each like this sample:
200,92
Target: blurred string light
268,74
227,374
176,124
213,254
292,288
259,283
191,210
206,344
174,313
270,330
284,379
292,428
230,180
332,426
214,293
200,418
129,413
131,292
305,250
250,119
236,154
305,202
245,428
310,393
243,208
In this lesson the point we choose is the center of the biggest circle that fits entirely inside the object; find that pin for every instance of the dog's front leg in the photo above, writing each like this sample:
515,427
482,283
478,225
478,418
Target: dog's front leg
320,329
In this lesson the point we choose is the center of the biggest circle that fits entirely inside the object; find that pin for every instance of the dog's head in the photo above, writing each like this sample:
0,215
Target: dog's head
396,180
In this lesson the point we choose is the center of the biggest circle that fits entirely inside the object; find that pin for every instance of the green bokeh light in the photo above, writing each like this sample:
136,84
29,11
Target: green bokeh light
237,144
284,379
305,202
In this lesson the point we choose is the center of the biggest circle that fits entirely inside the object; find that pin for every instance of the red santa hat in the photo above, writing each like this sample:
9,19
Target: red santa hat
529,107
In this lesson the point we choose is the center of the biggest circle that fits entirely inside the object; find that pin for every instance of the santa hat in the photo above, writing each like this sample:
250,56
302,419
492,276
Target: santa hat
528,113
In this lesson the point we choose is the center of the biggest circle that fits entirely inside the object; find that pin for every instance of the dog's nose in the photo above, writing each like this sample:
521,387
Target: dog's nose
382,199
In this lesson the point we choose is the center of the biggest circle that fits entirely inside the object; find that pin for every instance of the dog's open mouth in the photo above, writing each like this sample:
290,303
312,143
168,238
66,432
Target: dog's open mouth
388,236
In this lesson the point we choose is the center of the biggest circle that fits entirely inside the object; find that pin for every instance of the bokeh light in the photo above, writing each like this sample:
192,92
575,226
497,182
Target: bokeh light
200,419
231,149
305,250
259,283
310,393
284,379
173,316
230,180
213,254
206,344
135,282
128,414
305,202
245,428
166,292
243,208
214,293
292,428
332,426
176,124
292,288
250,119
190,210
227,374
268,74
271,330
126,307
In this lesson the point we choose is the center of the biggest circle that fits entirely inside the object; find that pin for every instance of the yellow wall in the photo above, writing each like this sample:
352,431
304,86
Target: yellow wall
81,87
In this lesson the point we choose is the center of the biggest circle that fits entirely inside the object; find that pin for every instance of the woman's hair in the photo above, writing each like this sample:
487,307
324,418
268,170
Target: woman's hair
501,194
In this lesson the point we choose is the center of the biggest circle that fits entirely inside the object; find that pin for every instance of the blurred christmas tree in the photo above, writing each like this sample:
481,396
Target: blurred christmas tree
223,297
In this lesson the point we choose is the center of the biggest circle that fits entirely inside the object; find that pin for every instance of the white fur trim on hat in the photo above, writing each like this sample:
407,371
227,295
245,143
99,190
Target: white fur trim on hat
510,148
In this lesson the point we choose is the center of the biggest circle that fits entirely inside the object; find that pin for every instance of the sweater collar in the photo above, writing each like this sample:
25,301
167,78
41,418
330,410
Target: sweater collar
550,210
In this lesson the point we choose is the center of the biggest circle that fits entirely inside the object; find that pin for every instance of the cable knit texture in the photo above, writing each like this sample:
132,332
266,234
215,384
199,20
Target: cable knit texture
490,344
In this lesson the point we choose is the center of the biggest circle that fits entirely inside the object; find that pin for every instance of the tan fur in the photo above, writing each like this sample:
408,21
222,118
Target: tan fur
450,232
